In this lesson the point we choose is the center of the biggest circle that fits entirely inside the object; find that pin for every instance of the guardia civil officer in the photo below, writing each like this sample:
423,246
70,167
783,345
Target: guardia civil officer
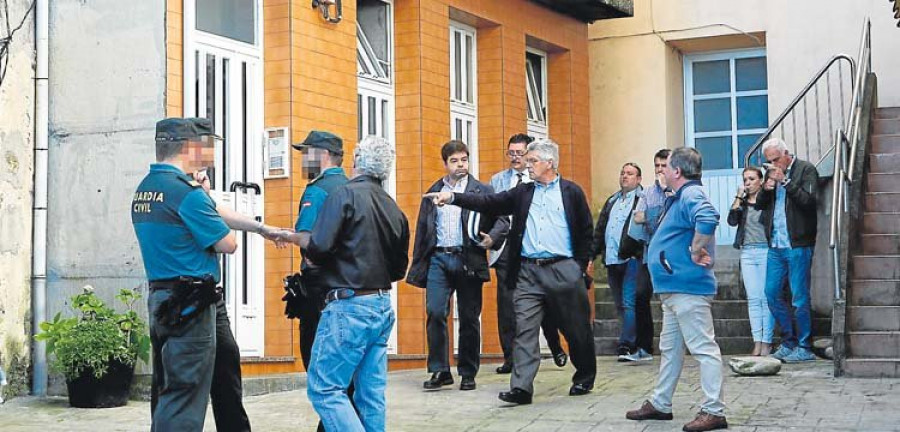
180,234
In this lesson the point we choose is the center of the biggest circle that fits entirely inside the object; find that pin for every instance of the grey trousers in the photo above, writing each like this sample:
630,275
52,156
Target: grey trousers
183,361
558,289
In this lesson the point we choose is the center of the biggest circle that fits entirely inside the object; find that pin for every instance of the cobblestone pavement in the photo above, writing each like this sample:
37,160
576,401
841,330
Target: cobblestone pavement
801,398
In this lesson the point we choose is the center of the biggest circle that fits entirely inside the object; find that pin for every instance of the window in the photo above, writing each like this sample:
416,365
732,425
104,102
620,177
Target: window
232,19
726,106
463,90
373,39
536,91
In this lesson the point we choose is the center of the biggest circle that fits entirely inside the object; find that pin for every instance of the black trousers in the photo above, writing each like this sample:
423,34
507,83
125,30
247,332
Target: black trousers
506,316
642,310
226,391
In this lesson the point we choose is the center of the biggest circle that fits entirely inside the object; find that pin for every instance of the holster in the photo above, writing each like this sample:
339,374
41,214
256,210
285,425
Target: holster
190,296
294,295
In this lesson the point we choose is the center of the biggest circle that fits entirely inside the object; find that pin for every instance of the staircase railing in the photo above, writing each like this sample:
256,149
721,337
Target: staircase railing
845,149
810,118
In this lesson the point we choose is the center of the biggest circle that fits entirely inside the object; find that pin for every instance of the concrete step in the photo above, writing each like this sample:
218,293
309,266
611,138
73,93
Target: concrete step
886,126
886,144
877,267
884,162
883,202
729,345
874,344
881,223
887,113
867,292
603,294
874,318
872,368
883,182
724,309
880,244
723,327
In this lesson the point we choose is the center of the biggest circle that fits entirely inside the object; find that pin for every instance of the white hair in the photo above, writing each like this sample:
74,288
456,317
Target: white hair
374,156
546,149
777,144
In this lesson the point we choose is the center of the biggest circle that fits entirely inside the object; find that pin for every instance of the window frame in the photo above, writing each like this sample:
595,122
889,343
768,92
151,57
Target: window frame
734,133
465,111
366,58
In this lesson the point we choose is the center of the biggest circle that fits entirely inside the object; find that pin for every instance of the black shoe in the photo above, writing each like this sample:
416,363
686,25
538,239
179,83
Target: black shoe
467,383
505,368
560,358
516,396
580,389
438,380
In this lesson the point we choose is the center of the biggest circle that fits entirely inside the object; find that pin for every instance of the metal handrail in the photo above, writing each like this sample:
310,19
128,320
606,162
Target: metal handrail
844,170
748,155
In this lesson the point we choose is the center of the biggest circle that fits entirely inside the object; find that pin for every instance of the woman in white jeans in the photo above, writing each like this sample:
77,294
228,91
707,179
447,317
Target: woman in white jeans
751,240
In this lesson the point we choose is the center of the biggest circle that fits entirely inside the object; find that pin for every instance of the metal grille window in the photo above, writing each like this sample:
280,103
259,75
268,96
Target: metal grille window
536,92
463,90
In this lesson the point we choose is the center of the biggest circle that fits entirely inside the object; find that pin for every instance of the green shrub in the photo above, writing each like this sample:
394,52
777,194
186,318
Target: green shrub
97,336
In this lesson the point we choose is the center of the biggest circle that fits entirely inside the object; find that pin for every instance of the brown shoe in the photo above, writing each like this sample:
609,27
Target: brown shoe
647,412
706,422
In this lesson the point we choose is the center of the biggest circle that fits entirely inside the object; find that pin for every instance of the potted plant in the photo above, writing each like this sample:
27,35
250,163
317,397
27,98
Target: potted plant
97,349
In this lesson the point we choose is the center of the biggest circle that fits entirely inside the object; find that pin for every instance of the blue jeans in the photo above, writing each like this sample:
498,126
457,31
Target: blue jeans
351,345
794,266
623,285
753,270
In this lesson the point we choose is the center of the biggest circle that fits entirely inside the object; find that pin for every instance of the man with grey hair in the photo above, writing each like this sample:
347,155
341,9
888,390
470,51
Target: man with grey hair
789,196
680,260
361,240
551,237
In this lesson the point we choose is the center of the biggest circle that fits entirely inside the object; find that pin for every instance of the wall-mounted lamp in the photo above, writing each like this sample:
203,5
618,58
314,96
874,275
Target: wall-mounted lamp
326,7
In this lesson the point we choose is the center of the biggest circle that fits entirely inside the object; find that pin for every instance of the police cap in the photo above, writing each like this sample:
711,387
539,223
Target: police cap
183,129
322,140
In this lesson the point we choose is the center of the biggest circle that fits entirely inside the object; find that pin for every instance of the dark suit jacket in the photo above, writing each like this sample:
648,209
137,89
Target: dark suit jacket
800,205
517,202
474,255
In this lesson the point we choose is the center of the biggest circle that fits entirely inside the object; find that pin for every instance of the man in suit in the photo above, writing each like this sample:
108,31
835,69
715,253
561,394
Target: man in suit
551,236
449,256
499,260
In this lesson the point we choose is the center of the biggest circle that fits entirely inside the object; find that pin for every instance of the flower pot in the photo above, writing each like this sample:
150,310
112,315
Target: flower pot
111,390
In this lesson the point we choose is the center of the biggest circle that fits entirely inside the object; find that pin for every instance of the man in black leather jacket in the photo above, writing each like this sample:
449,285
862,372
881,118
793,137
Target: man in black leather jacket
360,241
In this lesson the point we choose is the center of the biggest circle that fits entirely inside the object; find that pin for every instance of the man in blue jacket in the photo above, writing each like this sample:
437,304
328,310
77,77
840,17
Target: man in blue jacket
680,260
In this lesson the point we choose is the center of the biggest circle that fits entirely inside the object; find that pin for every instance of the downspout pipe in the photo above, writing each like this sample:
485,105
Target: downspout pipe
39,206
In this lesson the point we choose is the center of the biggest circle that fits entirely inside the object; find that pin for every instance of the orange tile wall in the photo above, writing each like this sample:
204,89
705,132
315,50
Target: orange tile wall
310,83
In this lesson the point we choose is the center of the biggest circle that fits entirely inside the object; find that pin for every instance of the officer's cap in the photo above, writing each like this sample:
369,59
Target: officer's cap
182,129
323,140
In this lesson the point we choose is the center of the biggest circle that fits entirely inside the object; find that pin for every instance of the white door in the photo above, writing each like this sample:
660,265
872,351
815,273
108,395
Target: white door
223,82
375,91
726,111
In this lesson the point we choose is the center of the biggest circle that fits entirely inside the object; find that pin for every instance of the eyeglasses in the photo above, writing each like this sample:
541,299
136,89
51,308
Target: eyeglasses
515,153
532,161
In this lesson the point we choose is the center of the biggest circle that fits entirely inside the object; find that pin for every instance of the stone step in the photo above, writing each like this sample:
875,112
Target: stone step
880,244
874,344
603,294
881,223
729,345
887,113
883,202
877,267
724,309
883,182
886,144
866,292
874,318
872,368
884,162
723,327
886,126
